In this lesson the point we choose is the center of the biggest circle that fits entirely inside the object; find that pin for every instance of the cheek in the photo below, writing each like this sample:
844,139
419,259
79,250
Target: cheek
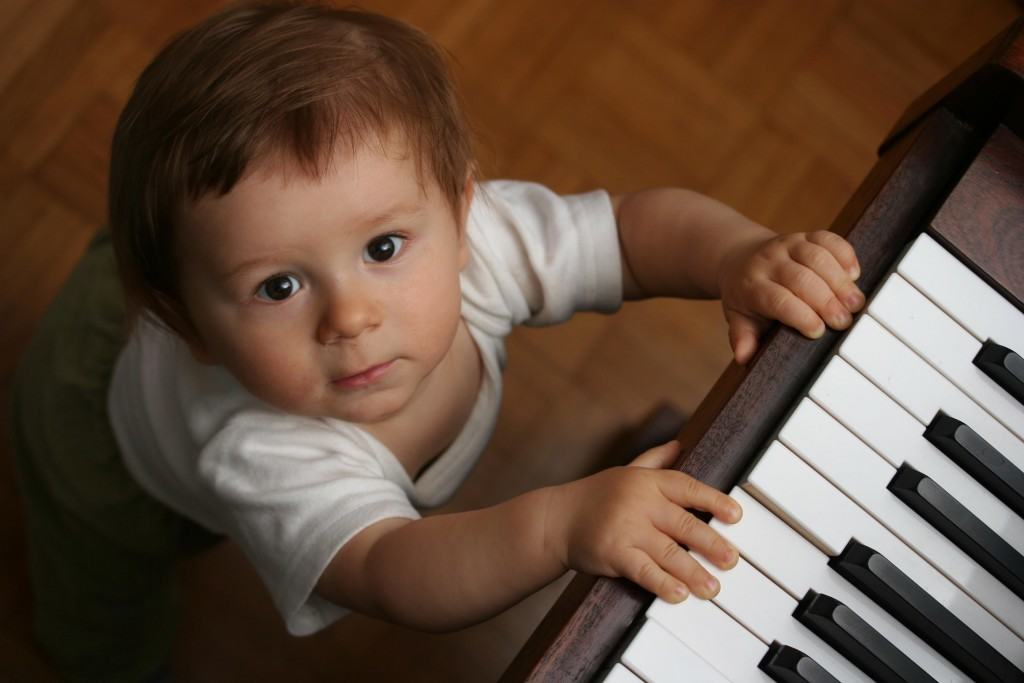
291,388
274,366
435,311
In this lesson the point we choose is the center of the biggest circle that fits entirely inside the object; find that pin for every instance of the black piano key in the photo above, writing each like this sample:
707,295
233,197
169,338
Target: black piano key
855,639
1005,367
979,459
897,594
786,664
960,526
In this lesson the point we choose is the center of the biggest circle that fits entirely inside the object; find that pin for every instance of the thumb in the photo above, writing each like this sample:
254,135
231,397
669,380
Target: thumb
658,457
743,333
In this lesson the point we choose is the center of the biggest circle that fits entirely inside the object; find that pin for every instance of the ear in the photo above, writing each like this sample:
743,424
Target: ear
463,217
199,350
174,316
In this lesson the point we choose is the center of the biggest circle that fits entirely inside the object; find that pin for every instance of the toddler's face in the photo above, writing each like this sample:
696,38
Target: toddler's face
335,297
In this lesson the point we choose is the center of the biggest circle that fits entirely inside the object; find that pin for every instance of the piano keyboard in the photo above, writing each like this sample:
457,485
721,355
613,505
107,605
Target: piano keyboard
883,528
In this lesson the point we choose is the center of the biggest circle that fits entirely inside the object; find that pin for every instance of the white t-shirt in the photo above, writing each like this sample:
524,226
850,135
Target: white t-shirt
291,490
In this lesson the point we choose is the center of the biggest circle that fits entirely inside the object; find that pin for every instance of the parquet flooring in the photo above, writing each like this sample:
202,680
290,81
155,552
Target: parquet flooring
775,107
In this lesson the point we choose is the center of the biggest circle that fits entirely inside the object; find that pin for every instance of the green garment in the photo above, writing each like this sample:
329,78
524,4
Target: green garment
102,552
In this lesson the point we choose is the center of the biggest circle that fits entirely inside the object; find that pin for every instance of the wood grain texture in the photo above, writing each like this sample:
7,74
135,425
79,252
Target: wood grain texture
982,221
775,107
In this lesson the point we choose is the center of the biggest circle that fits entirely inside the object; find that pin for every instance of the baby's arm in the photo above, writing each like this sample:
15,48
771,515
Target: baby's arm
450,571
680,243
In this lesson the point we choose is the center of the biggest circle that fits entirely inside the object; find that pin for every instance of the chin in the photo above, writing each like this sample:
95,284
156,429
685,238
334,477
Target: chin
369,409
372,409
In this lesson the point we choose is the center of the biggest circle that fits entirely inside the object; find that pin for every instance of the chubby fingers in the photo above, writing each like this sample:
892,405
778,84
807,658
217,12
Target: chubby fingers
659,562
840,249
661,566
684,491
656,557
810,284
681,491
832,259
803,300
674,527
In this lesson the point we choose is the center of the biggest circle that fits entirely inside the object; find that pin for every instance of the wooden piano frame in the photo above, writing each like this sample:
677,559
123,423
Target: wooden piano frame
953,166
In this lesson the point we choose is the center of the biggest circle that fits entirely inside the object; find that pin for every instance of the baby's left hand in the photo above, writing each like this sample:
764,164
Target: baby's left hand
804,280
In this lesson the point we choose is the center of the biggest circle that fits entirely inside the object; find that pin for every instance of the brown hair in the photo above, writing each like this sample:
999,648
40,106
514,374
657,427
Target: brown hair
261,79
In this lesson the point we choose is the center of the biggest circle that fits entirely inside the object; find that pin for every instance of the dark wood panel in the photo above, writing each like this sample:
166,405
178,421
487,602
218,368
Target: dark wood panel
967,90
982,221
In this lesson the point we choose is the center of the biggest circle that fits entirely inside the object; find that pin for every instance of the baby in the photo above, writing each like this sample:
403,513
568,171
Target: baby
319,288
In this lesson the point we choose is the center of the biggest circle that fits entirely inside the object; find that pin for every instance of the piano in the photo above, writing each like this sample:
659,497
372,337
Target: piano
881,470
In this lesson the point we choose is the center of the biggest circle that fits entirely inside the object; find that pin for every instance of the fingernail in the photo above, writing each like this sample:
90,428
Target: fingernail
854,272
731,555
681,593
854,300
712,585
841,319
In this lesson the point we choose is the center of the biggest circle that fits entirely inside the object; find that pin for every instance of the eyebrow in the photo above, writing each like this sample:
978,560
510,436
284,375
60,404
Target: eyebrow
242,267
398,211
402,210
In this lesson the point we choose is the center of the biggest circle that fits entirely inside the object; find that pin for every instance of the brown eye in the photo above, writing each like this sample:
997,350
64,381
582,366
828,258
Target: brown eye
278,288
383,248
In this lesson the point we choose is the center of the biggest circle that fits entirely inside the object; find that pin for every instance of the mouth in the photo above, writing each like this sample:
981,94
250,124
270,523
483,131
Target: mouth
364,378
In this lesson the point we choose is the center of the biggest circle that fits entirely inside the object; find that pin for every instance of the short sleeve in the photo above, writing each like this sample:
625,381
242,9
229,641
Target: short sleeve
538,257
291,493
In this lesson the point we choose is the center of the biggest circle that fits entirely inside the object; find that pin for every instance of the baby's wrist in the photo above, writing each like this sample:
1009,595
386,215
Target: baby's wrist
735,258
555,546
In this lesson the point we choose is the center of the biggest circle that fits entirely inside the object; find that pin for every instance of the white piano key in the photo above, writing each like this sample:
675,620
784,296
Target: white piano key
832,519
918,387
961,294
722,642
771,481
860,473
898,437
620,674
656,656
947,346
796,566
767,611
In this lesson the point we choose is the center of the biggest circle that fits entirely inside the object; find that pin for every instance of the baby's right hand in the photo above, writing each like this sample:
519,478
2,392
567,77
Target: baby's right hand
630,522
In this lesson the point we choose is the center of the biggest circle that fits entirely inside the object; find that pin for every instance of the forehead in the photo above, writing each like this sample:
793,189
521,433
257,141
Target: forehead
277,196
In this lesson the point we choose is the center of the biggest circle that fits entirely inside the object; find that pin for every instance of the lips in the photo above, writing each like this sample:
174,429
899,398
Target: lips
364,378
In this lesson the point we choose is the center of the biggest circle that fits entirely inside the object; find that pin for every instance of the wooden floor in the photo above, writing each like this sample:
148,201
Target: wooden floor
775,107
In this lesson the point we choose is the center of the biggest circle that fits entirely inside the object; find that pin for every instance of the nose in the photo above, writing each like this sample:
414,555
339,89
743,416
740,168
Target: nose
348,311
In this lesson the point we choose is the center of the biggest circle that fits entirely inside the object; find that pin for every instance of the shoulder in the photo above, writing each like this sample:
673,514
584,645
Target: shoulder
539,255
516,224
519,205
263,444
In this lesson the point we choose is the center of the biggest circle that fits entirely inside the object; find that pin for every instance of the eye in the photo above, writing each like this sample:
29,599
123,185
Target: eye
383,248
278,288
